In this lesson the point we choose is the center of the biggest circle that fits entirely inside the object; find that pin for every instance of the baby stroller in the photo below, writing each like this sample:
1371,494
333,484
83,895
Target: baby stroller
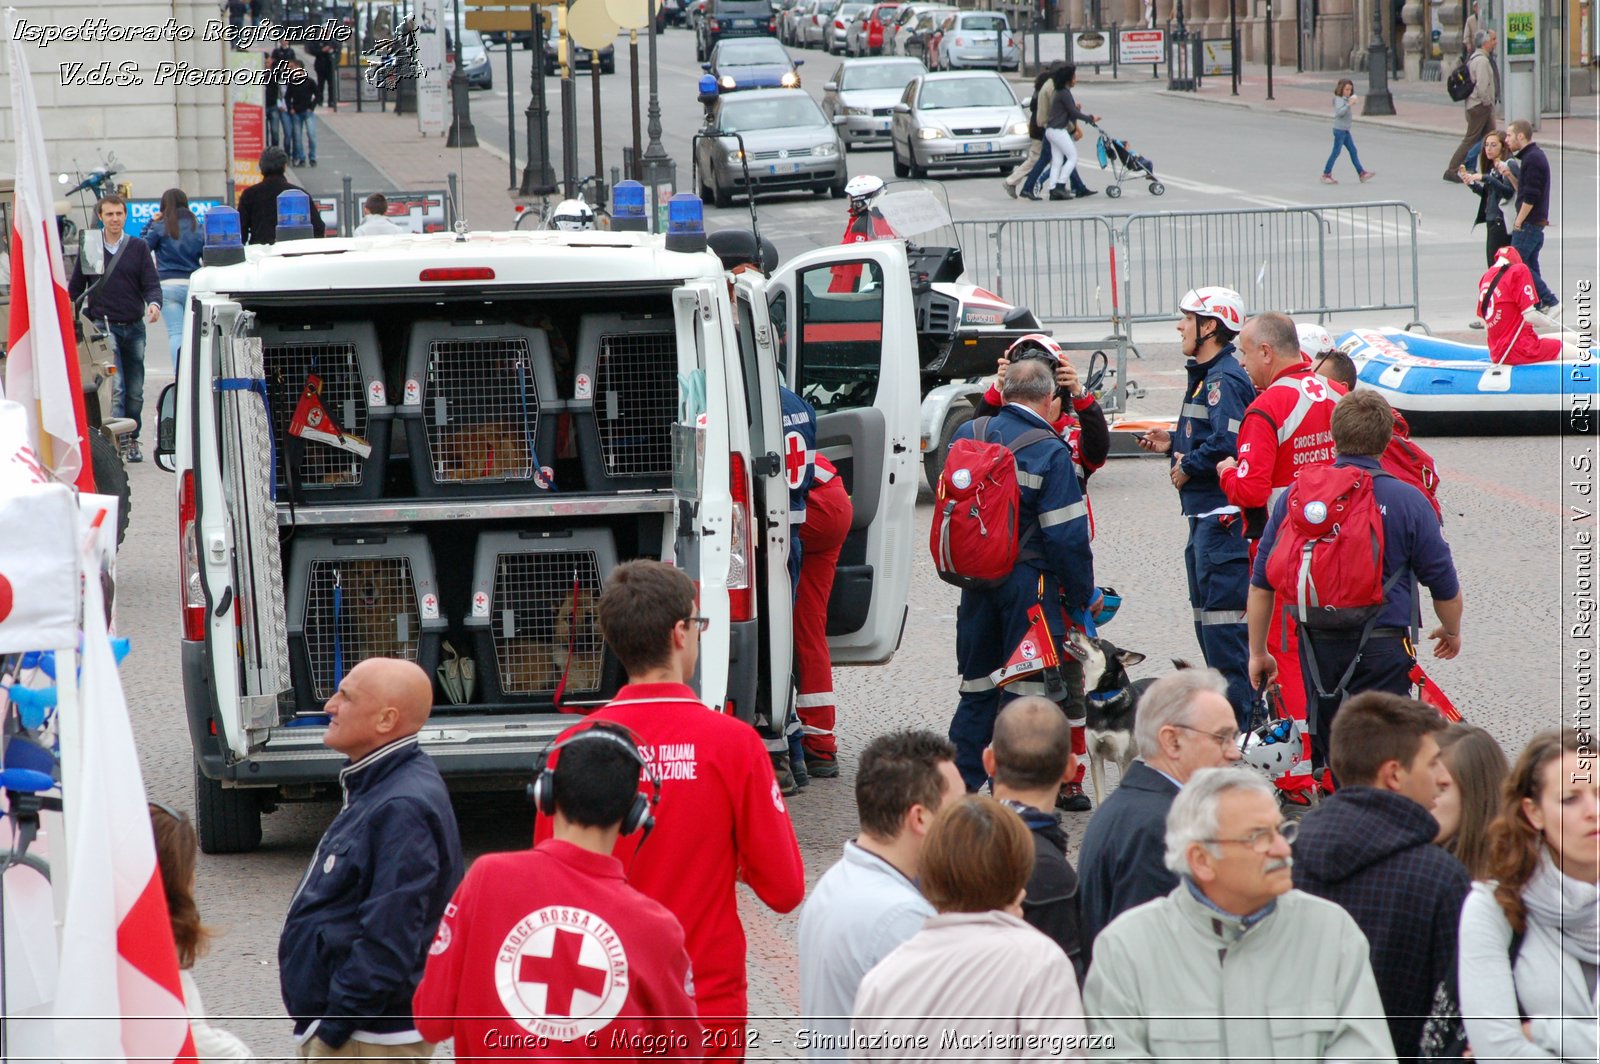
1124,164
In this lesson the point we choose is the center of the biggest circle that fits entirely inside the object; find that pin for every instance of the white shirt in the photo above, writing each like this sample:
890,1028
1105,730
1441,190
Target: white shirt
378,225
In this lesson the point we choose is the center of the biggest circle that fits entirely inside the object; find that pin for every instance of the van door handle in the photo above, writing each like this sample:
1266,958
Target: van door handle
900,448
768,465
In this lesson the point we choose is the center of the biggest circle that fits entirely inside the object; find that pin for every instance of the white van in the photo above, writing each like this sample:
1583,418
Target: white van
358,428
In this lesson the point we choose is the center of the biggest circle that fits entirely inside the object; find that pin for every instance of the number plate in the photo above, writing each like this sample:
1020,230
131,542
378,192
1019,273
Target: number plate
784,168
978,146
746,22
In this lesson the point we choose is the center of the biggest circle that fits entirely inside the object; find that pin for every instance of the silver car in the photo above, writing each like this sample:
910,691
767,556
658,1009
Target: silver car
957,121
838,31
970,42
789,145
864,92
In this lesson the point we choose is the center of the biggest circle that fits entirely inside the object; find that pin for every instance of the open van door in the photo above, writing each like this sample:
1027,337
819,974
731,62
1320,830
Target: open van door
849,343
233,542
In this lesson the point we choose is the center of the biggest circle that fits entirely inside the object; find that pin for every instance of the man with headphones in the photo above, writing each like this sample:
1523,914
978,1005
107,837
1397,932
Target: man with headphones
721,818
549,953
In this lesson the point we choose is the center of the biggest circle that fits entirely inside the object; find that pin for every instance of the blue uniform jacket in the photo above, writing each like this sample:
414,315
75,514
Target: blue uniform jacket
1412,539
799,454
1208,428
356,938
1051,500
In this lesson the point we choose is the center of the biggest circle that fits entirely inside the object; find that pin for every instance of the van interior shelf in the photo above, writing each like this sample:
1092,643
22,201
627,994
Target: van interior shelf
573,505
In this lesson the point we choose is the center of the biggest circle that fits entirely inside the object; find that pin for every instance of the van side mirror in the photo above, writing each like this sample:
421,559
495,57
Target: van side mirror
902,108
832,86
840,120
167,429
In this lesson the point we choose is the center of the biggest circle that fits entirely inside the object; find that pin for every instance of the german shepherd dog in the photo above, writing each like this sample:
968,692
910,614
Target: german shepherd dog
1113,703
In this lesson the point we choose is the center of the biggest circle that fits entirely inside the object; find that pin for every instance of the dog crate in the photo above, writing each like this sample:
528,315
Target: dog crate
533,613
358,595
479,406
625,400
319,373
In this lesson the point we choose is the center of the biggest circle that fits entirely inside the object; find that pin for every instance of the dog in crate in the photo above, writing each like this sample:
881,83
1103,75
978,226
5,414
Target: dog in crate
379,610
536,660
493,450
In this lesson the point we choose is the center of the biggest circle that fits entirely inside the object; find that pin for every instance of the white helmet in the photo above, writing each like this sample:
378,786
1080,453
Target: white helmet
1276,749
1213,301
862,189
1314,341
572,215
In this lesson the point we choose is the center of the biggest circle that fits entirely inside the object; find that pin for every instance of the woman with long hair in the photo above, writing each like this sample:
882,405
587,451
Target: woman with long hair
1530,939
1061,131
1344,97
1494,190
176,848
1470,799
176,240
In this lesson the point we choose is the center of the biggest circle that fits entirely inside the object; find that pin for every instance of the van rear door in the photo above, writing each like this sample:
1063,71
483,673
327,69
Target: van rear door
850,348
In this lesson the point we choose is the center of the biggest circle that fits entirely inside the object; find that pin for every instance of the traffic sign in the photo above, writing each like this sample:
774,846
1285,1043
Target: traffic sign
590,25
499,21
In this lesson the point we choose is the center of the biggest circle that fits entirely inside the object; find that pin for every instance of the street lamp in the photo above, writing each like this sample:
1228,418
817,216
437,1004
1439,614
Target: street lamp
461,134
1378,101
1180,76
658,165
538,178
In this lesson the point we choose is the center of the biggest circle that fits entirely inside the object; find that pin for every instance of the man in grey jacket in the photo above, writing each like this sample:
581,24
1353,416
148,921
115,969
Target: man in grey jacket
1480,105
1249,968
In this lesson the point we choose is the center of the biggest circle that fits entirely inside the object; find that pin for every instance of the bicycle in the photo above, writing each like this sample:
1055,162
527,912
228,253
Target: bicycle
549,202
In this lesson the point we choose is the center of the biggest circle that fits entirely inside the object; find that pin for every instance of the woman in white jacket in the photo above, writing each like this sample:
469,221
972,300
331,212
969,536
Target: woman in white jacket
1530,939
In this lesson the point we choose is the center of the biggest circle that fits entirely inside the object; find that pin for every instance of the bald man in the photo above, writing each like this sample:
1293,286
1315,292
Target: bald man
356,938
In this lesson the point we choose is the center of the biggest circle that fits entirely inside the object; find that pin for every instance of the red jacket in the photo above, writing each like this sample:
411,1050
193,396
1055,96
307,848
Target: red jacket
859,229
721,819
1284,430
549,953
1512,340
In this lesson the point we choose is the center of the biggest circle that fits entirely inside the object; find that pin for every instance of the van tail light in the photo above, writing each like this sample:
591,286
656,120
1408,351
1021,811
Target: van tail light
772,26
741,560
194,597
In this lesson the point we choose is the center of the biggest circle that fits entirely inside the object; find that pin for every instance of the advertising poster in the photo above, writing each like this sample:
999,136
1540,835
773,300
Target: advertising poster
1091,46
1217,57
246,120
1141,46
431,73
1519,32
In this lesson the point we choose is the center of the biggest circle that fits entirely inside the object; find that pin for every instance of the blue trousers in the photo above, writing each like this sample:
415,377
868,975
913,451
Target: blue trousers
1342,141
303,136
127,340
1528,241
1217,561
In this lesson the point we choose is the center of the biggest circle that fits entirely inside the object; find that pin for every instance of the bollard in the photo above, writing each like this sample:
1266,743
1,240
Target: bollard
452,208
347,209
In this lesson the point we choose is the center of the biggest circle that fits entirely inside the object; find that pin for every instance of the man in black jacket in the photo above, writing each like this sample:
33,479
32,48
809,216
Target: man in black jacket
1369,849
1028,759
1184,724
1533,205
258,204
300,93
356,939
123,299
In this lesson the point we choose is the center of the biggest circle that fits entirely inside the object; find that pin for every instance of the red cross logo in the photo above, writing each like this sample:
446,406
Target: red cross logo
562,974
795,458
1313,388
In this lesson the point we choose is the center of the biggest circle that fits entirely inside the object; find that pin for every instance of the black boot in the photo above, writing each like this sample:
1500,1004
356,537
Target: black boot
1059,193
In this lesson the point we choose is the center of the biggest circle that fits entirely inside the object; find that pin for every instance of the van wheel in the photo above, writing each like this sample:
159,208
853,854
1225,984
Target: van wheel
229,818
933,462
111,478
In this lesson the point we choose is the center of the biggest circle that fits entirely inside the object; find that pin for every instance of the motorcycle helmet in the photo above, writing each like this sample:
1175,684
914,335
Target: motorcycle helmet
740,247
572,216
1222,304
1314,341
862,190
1034,345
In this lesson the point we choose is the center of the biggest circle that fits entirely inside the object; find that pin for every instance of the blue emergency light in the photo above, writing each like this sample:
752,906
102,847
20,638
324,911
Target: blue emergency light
686,223
708,88
224,244
627,208
294,215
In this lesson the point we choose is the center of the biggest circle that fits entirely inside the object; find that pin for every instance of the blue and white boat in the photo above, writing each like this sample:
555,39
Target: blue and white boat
1444,387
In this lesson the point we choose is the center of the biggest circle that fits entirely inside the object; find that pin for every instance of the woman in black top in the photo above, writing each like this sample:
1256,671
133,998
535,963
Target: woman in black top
1493,189
1064,116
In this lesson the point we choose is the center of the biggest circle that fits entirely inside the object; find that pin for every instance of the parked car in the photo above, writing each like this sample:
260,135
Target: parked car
864,92
789,145
816,22
788,15
675,12
839,26
870,28
906,22
475,63
581,58
957,121
723,19
752,63
969,41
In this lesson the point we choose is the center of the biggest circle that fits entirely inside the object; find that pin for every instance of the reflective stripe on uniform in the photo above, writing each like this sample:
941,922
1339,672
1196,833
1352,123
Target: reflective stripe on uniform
1030,480
1213,617
822,476
1233,425
1028,687
977,685
1274,495
1302,406
1062,515
1199,410
814,701
807,729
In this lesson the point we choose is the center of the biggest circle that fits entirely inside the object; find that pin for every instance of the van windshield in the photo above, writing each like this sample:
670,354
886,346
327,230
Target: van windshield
757,51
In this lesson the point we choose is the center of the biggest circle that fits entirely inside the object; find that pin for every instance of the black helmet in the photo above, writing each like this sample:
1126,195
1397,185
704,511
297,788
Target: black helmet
738,247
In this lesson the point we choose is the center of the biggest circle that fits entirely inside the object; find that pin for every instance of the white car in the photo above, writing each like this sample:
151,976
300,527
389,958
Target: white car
837,33
957,121
863,92
970,42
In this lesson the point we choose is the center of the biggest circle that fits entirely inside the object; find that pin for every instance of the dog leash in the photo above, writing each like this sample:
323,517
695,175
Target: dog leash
338,644
572,643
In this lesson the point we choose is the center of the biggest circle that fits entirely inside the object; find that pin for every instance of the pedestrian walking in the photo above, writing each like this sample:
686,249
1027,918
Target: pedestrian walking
1344,98
375,218
1480,104
527,933
255,12
356,937
1062,131
1355,647
1022,177
1530,935
1030,757
1217,557
1495,184
177,847
1370,849
300,94
273,106
236,10
721,818
177,241
1533,205
868,902
1469,31
124,298
976,976
258,204
1235,964
327,82
1184,724
1469,794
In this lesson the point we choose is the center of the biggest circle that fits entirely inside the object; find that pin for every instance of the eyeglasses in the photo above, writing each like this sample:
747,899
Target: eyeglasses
699,624
1260,840
1224,739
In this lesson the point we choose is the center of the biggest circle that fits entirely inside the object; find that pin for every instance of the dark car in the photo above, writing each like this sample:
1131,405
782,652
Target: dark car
732,18
752,63
580,57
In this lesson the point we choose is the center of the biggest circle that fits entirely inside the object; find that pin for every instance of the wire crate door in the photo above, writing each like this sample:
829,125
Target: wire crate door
636,402
543,620
481,406
358,608
342,394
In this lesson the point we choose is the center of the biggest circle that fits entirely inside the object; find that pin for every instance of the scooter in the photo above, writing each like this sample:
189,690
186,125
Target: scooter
96,183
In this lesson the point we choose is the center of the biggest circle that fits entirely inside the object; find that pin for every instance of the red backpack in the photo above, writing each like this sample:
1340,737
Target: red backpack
1407,462
977,505
1328,559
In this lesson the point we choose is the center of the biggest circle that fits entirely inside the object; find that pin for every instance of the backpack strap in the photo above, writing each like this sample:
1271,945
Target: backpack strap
1483,304
1366,634
1512,952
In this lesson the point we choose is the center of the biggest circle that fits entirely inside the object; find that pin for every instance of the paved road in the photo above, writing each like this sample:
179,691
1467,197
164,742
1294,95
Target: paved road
1505,515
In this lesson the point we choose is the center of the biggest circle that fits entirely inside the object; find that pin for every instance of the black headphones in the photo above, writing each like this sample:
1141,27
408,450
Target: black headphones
640,815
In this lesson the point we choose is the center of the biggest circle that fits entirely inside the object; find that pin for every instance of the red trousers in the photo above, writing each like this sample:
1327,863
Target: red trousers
1283,643
828,517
